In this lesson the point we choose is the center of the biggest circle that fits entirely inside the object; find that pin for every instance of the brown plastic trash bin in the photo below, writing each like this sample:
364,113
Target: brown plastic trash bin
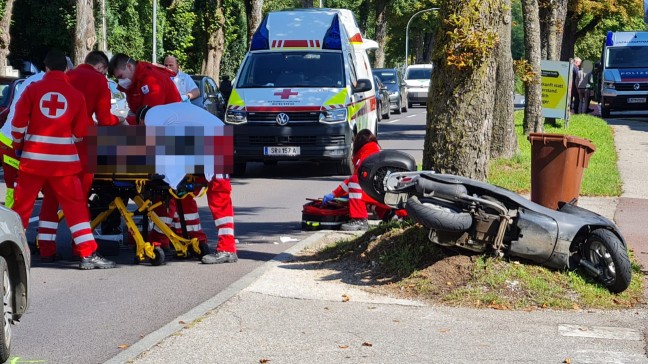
557,163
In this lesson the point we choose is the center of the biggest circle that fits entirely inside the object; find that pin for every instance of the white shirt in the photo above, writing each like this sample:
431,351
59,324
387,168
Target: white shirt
6,128
184,83
175,117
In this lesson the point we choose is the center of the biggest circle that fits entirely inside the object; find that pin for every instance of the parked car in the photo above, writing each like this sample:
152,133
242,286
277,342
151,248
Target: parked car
15,262
396,87
417,78
8,87
118,104
382,99
210,97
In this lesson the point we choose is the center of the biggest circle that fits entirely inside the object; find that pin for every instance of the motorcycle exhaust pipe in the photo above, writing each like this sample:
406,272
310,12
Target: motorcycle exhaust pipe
590,268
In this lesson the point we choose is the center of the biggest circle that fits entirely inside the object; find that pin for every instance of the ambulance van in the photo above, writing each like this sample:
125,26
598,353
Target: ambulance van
622,75
303,91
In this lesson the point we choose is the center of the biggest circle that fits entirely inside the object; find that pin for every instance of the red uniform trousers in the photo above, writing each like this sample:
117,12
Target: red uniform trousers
219,198
48,219
358,200
69,193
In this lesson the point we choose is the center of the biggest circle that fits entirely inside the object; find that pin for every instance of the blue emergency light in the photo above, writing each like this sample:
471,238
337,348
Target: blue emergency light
609,41
332,38
260,39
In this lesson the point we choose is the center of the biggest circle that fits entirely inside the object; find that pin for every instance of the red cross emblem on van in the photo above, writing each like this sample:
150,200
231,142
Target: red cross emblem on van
286,93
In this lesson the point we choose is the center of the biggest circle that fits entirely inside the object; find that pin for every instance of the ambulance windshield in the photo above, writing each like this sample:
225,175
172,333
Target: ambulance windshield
293,69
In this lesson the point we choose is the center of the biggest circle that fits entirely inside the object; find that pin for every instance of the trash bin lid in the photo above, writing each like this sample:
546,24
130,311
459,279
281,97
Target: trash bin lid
565,140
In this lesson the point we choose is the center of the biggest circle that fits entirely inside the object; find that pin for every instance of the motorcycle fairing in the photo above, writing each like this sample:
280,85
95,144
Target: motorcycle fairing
536,236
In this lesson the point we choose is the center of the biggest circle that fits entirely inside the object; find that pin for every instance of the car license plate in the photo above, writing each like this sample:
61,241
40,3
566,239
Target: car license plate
281,151
636,100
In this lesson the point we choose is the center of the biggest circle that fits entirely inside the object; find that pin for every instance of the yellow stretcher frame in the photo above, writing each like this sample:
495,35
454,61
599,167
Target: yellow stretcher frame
144,249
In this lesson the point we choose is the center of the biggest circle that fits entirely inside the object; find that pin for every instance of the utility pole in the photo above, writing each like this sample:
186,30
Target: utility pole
154,31
104,41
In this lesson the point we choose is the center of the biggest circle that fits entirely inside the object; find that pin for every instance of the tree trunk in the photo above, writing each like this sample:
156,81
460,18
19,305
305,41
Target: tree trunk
253,10
548,13
462,89
533,94
561,15
215,20
5,36
504,140
381,33
569,35
85,36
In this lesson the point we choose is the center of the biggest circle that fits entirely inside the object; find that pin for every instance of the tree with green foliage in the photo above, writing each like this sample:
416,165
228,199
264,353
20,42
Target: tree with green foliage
178,34
462,90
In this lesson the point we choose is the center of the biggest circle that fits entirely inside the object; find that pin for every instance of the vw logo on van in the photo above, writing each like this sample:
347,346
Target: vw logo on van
636,87
282,118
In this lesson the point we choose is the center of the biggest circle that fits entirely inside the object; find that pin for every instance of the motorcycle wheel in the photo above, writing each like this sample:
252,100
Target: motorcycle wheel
434,216
605,251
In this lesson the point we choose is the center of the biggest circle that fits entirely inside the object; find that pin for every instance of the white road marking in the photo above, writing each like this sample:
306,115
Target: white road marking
606,356
411,116
600,332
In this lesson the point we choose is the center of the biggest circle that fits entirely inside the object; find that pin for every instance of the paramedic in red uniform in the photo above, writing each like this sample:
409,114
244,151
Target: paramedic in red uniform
145,85
219,189
50,115
90,79
364,145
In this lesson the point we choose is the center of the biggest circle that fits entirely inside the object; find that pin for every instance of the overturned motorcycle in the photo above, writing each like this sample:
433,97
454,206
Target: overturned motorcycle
462,212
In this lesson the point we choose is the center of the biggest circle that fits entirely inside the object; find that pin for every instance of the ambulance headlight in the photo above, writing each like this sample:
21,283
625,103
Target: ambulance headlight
609,85
236,116
333,116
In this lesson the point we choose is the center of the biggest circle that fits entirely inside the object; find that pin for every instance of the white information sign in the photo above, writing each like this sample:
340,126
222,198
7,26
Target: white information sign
556,89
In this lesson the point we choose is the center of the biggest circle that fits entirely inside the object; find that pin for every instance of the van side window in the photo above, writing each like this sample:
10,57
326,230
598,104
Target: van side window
353,76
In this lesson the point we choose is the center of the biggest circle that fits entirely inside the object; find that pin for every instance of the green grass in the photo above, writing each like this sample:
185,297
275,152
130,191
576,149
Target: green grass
600,178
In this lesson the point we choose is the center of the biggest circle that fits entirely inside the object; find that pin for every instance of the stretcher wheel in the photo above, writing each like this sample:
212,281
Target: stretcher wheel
159,256
204,249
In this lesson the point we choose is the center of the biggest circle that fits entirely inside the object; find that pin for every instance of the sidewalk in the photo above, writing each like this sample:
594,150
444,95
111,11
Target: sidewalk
285,312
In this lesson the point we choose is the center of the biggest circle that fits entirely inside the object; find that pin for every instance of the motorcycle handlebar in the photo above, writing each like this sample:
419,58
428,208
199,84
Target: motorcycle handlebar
452,192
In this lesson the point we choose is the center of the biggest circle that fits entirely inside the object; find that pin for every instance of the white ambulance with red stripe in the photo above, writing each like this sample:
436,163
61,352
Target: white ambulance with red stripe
303,90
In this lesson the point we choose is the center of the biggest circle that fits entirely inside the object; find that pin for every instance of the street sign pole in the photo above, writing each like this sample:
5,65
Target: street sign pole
407,32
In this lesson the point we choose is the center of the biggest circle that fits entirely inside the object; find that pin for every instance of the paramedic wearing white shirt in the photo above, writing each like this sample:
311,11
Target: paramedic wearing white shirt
9,160
219,189
185,84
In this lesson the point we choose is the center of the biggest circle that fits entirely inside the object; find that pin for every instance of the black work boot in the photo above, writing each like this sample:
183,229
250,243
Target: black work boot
220,257
355,225
96,261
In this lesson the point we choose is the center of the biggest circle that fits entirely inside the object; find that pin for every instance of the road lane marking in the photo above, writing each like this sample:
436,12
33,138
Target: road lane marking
600,332
411,116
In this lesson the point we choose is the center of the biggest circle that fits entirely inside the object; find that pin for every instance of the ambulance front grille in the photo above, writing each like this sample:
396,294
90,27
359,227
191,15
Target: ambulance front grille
268,140
272,116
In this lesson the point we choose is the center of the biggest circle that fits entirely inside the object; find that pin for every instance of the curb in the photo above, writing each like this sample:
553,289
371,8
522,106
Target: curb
152,339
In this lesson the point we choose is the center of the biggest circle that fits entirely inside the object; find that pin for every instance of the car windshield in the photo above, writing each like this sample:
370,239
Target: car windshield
419,73
292,69
626,57
387,77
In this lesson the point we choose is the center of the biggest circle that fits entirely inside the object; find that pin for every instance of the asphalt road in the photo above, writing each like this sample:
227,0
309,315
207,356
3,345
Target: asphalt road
89,316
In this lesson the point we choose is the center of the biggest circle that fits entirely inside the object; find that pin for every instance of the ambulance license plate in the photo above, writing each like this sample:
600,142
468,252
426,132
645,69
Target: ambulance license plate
282,151
636,100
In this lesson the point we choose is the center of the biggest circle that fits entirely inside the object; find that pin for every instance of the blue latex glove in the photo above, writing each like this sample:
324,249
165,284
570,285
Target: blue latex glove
327,198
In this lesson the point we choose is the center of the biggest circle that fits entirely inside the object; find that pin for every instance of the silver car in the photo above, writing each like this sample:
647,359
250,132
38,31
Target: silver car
15,262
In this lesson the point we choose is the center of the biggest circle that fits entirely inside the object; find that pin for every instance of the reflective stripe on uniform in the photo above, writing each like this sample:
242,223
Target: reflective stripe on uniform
357,195
225,231
48,139
50,157
13,162
46,237
18,130
9,200
355,185
6,141
193,216
83,238
79,226
47,224
224,220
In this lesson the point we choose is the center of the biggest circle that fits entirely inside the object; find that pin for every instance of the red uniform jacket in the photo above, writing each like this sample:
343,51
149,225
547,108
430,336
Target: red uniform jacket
367,150
152,86
94,87
48,115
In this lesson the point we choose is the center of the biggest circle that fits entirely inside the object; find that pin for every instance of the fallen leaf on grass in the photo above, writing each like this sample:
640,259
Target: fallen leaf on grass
181,322
567,361
345,298
576,307
449,283
444,330
123,346
263,361
343,346
616,301
498,307
367,344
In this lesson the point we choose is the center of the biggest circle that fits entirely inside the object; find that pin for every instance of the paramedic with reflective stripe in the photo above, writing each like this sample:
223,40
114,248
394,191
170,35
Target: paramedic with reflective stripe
9,159
219,189
145,85
49,115
90,79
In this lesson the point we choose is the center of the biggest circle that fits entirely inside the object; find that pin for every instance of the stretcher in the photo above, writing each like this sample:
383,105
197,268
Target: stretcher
143,190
